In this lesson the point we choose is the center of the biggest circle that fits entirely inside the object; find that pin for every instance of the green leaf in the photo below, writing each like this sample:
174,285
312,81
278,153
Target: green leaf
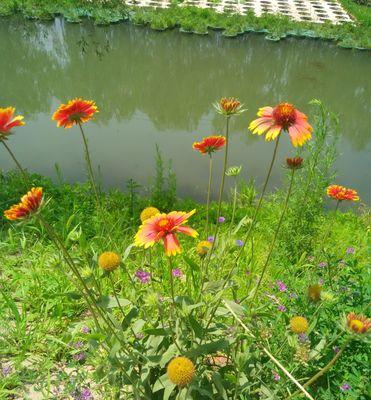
128,318
236,308
191,263
214,286
168,355
110,302
218,383
208,348
196,327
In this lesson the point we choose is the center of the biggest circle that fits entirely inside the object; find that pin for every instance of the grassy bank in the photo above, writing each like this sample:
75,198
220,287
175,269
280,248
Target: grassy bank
48,344
194,20
203,304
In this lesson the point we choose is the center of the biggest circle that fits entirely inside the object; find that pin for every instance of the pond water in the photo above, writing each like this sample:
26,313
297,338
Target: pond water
157,88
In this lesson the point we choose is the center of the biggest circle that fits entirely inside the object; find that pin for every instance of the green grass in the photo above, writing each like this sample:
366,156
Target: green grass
190,19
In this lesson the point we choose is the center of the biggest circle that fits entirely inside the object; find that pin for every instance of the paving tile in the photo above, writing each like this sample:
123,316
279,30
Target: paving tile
318,11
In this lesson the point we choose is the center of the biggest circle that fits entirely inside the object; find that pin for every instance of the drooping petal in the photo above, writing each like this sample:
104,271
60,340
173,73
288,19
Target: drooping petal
187,230
260,125
171,245
273,132
180,217
266,111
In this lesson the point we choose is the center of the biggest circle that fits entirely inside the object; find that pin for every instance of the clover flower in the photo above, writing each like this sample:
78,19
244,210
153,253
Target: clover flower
221,220
281,286
177,273
143,276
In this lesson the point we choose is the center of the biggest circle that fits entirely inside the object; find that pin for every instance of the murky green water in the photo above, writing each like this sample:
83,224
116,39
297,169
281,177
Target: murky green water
158,88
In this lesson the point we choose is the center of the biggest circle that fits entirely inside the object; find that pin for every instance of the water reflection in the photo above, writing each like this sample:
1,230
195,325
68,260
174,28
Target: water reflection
165,83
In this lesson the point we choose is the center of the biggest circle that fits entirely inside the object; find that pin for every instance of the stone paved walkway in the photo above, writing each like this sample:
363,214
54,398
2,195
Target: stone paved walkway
318,11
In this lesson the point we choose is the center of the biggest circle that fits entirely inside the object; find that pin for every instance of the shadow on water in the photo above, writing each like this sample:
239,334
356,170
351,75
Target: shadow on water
158,88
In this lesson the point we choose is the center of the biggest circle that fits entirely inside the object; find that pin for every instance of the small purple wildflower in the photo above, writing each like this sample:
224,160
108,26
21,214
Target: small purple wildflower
350,250
143,276
80,356
302,337
211,239
85,329
221,220
322,264
86,394
345,387
281,308
310,258
177,273
239,243
321,282
281,286
78,345
336,349
276,376
6,370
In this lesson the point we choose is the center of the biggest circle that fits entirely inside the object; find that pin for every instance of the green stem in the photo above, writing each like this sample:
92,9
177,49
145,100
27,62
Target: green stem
275,235
171,280
230,273
323,245
234,204
89,165
221,189
12,155
261,198
325,369
208,193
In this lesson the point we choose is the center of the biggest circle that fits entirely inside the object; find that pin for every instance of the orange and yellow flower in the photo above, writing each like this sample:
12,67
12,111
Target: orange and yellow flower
341,193
76,111
30,204
209,144
164,227
8,121
358,323
283,117
228,106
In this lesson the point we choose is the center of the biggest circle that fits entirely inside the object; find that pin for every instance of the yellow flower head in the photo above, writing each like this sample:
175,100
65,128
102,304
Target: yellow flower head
148,213
181,371
358,323
314,292
203,247
109,261
299,324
